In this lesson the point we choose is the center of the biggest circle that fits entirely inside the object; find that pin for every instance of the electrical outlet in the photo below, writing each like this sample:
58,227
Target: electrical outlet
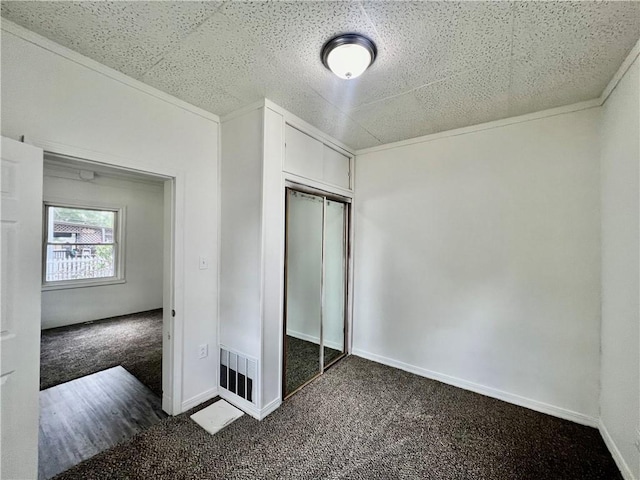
203,350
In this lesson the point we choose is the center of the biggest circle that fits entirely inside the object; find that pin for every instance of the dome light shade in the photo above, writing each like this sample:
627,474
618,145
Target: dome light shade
349,55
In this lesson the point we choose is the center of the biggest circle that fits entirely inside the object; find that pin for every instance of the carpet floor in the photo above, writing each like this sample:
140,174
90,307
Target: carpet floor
362,420
133,341
303,361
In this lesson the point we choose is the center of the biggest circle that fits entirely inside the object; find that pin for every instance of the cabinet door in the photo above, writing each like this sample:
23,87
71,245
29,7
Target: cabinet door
336,167
303,154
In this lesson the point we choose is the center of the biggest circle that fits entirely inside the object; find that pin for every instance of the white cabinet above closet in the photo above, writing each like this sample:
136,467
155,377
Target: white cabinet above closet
336,167
310,158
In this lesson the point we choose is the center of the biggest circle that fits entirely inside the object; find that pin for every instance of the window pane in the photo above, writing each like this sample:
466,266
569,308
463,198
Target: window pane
77,262
77,225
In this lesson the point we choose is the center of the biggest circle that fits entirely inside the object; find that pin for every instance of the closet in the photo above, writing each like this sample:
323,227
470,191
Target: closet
285,212
317,227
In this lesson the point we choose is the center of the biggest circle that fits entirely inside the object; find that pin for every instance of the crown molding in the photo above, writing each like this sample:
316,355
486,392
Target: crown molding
624,66
575,107
243,110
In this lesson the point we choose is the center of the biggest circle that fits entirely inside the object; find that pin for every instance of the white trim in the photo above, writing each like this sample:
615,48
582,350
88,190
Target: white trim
61,150
536,405
329,187
243,111
218,343
76,57
260,369
177,326
627,474
168,292
309,182
351,270
270,407
576,107
248,407
268,156
624,66
178,249
82,283
198,399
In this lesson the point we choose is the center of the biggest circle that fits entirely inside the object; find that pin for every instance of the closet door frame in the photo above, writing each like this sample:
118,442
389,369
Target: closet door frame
289,185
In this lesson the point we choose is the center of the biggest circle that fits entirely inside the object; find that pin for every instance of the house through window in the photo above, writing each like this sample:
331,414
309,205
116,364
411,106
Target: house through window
81,245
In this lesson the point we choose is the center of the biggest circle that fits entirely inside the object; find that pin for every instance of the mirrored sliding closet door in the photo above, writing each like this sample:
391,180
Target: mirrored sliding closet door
315,295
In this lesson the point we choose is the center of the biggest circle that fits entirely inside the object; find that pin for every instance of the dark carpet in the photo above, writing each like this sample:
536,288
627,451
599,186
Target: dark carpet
362,420
330,354
133,341
303,361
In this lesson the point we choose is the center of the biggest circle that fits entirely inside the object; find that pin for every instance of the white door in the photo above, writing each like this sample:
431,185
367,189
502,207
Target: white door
167,303
20,279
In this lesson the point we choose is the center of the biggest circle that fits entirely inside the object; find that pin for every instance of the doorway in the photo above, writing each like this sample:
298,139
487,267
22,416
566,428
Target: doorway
316,286
106,304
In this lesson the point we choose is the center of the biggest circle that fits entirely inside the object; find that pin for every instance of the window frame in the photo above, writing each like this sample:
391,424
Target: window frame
118,246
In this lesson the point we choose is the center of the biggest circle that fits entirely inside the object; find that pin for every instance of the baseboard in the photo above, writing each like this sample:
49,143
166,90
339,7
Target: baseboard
627,474
198,399
248,407
270,408
239,402
483,390
312,339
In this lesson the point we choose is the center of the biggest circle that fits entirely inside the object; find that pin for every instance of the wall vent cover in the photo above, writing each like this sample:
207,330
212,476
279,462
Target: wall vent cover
238,374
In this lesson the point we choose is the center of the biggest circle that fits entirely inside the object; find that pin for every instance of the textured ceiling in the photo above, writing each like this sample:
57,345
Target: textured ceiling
441,65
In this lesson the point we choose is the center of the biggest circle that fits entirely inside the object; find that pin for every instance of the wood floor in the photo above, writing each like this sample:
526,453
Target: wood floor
81,418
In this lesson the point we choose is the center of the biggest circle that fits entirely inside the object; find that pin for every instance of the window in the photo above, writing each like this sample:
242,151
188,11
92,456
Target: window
82,246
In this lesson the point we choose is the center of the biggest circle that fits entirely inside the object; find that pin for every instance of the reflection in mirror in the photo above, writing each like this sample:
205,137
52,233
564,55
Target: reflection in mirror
334,283
303,289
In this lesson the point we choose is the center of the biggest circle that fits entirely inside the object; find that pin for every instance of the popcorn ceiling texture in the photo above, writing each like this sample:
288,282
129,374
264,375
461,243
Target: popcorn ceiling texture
441,65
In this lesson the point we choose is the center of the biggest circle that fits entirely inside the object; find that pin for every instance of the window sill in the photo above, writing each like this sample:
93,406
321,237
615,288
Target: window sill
81,284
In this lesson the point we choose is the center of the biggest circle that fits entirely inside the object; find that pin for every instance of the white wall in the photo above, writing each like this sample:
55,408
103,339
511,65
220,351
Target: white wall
620,395
56,100
143,252
477,261
241,234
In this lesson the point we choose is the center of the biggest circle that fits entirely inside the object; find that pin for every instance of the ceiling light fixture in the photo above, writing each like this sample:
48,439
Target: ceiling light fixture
348,55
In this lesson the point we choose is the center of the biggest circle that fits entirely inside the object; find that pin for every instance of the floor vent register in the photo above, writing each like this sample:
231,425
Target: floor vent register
238,374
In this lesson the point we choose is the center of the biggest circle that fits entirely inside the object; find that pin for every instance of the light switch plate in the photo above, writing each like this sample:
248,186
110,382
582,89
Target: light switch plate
204,263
